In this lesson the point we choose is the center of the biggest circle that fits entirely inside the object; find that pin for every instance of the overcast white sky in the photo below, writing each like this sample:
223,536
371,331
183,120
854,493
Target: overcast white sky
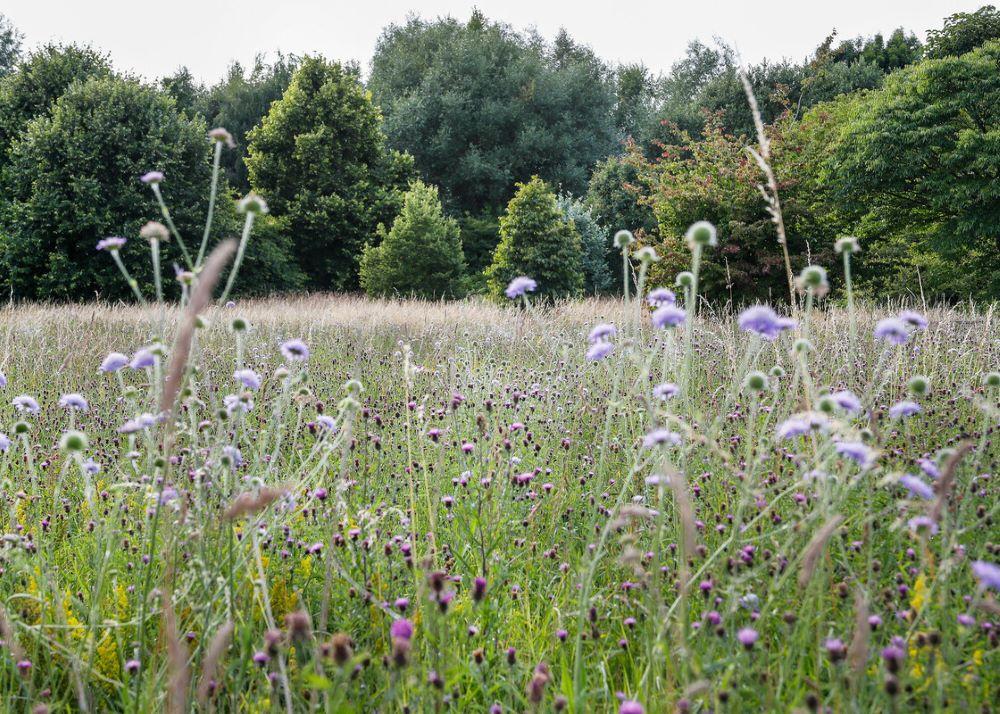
155,37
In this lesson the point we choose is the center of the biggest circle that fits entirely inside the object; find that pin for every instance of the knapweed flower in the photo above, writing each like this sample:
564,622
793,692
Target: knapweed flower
747,637
73,401
892,330
987,574
667,316
665,391
519,286
111,243
916,487
599,351
661,436
152,177
904,408
601,332
765,322
660,297
248,378
142,359
24,403
113,362
914,319
847,400
857,452
401,629
295,350
630,706
143,421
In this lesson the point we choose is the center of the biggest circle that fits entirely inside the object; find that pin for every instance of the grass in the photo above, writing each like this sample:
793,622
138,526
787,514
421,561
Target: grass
475,441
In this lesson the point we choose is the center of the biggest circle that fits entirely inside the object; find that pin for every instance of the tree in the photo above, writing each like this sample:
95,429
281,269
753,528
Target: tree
73,179
595,245
240,101
963,32
319,158
917,171
182,86
421,254
10,46
39,82
481,106
537,241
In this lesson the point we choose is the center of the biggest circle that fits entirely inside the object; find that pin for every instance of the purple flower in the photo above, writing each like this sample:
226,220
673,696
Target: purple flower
519,286
747,637
73,401
630,706
904,408
913,319
4,442
665,391
142,359
660,436
929,468
3,380
234,455
856,452
327,422
295,350
401,629
660,297
668,316
892,330
601,332
599,351
987,574
111,243
132,666
763,321
237,403
24,403
113,362
793,427
916,487
152,177
143,421
248,378
847,400
923,523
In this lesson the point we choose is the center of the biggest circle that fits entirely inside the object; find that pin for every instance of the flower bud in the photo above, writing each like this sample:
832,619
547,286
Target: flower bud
252,203
702,234
919,385
846,244
154,230
623,239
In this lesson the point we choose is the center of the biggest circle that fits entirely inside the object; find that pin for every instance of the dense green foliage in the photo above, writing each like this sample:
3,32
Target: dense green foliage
596,251
10,45
536,240
964,32
421,255
319,158
73,179
482,107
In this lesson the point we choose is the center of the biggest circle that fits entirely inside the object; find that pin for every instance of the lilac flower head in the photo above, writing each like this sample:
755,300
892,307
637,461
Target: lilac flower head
24,403
152,177
923,523
248,378
905,408
987,574
519,286
660,436
601,332
847,400
111,243
630,706
142,359
916,487
3,380
892,330
141,422
660,297
113,362
856,452
762,320
668,316
665,391
4,442
913,319
234,403
747,637
401,629
800,425
295,350
327,422
73,401
599,351
929,468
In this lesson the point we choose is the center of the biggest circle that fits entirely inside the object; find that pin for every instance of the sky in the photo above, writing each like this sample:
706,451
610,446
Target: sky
153,38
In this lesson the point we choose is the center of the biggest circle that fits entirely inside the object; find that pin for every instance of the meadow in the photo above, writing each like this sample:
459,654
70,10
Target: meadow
359,505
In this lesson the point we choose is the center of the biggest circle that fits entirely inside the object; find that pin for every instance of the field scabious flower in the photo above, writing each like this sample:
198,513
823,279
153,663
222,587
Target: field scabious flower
987,574
847,400
601,333
74,401
3,380
668,316
765,322
658,437
24,403
113,362
248,378
519,286
142,359
295,350
665,391
111,243
4,442
857,452
660,297
916,486
904,408
599,351
152,177
892,330
139,423
914,319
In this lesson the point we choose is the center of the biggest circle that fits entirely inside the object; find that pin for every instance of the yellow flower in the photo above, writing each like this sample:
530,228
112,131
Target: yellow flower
919,594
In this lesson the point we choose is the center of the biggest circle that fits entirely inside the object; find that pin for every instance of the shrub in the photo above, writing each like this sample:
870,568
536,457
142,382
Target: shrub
595,245
420,255
537,241
319,158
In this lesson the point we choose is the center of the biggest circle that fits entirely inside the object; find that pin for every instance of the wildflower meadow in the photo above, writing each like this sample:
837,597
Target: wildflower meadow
639,504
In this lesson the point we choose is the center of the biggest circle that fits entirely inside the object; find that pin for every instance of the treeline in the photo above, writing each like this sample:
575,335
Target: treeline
475,152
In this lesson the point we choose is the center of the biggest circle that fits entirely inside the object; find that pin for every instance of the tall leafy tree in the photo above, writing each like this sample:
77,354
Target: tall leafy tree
595,245
10,45
481,106
963,32
538,241
320,160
